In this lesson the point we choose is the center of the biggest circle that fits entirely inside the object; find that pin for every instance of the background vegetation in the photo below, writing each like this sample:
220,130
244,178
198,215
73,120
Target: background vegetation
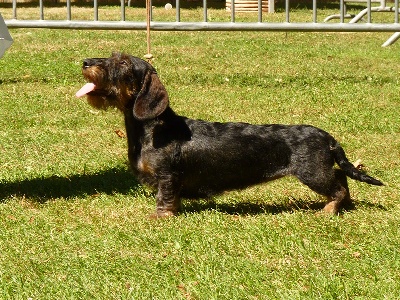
74,222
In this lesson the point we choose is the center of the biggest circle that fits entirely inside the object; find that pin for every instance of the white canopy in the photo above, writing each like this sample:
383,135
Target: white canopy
5,37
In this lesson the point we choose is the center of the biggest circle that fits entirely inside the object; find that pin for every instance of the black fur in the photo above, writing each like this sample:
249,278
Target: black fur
192,158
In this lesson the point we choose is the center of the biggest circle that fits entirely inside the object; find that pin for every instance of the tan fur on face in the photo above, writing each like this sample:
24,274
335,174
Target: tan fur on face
125,94
99,99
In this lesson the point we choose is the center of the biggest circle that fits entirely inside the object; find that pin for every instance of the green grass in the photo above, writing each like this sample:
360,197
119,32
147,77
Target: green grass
74,222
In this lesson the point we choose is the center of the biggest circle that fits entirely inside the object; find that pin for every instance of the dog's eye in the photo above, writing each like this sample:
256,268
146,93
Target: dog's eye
123,63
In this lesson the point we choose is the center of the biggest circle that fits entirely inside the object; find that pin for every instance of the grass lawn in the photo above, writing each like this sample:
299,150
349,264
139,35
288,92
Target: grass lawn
74,222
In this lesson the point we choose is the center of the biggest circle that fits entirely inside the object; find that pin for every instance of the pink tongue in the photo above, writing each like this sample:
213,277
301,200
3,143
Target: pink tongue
87,88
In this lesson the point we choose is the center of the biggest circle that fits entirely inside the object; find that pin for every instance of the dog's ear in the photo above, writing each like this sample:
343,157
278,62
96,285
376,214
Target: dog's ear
152,99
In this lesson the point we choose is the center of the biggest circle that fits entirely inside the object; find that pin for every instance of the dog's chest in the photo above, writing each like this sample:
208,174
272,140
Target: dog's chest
144,167
145,171
152,163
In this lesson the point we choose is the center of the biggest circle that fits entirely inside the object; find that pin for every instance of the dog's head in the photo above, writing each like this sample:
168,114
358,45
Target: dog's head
125,82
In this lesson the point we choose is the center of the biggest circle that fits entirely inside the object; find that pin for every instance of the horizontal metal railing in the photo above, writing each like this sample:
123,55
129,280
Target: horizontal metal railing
206,25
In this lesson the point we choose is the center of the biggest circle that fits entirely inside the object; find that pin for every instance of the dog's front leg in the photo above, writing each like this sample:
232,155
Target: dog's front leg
168,200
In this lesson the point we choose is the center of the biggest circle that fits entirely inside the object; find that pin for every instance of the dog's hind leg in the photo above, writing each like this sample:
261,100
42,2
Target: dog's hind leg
168,199
339,196
332,184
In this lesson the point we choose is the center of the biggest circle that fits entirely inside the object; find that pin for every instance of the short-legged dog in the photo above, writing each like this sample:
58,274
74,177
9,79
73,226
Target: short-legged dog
192,158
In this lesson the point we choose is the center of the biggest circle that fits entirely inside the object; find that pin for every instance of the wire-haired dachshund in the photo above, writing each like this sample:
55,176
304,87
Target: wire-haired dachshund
193,158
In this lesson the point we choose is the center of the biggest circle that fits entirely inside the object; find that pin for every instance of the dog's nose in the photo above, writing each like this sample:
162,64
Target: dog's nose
87,63
90,62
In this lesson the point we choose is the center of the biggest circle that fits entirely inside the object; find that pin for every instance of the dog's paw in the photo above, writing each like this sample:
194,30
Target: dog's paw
331,208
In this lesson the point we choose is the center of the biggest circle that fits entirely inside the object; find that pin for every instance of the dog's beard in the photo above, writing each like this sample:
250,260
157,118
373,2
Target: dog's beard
99,102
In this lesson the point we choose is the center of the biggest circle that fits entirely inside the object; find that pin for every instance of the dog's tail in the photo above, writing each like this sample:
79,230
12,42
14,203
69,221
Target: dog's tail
348,167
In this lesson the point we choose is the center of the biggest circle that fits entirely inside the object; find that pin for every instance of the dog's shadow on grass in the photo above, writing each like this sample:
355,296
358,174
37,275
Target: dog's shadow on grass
43,189
121,180
257,207
251,208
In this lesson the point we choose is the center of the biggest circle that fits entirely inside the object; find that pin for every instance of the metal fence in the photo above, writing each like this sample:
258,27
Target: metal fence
205,25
